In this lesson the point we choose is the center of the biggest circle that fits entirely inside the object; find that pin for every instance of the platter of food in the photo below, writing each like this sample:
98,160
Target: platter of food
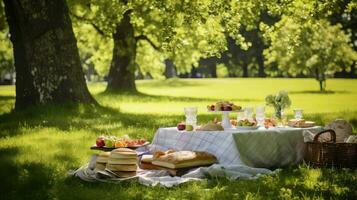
224,107
108,143
245,124
300,123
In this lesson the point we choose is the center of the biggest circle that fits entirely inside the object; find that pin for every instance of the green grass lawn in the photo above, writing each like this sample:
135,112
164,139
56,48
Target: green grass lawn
40,145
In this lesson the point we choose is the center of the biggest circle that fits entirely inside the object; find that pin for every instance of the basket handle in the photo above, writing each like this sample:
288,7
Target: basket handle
332,133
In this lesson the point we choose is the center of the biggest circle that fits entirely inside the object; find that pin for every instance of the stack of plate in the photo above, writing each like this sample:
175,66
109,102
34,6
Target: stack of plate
122,162
102,160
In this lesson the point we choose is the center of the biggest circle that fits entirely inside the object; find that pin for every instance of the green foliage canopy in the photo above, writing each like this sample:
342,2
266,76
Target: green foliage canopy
94,49
301,43
183,31
6,54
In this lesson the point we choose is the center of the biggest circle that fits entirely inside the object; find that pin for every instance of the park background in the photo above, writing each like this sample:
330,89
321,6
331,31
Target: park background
176,54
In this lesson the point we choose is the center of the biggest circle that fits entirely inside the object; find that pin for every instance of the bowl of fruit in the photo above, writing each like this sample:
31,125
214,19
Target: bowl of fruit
246,124
223,106
108,143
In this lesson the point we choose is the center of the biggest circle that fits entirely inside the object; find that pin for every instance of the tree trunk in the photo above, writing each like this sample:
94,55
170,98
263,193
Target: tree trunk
321,87
213,69
322,84
245,70
193,73
170,69
353,70
48,68
122,70
260,60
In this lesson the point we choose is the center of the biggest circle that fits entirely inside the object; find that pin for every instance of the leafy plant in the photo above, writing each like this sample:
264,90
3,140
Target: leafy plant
279,101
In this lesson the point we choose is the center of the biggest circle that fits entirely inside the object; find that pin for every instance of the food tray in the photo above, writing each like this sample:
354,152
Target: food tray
94,147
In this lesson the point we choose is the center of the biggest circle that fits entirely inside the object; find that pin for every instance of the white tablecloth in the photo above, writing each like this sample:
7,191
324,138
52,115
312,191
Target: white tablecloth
256,148
219,143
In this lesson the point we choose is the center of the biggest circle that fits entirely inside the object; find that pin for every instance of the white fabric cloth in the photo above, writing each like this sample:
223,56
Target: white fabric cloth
276,147
272,148
219,143
162,178
240,154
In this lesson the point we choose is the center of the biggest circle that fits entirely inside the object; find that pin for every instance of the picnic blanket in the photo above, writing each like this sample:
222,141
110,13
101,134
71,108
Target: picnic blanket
162,177
241,154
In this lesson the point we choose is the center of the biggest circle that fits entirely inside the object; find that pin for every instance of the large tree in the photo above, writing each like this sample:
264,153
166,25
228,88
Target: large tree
48,68
300,45
182,31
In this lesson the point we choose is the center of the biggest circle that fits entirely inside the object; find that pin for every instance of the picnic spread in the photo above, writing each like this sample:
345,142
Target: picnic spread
245,147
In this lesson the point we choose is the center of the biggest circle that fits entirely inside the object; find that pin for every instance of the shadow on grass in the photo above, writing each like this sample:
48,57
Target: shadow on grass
6,98
143,97
23,181
320,92
174,82
101,119
299,182
86,117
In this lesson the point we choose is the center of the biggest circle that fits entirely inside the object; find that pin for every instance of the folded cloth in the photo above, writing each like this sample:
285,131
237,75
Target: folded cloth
161,177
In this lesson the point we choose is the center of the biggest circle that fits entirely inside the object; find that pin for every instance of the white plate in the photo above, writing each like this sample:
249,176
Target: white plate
247,127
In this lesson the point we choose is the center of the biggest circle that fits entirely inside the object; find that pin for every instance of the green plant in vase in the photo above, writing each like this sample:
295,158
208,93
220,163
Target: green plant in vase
279,101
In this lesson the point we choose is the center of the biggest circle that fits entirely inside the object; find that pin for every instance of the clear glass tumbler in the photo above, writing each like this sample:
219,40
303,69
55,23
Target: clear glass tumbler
260,115
191,116
298,113
248,113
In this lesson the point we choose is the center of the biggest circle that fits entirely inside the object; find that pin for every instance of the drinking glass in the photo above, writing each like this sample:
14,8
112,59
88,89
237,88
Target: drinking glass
191,116
248,113
298,113
260,115
240,116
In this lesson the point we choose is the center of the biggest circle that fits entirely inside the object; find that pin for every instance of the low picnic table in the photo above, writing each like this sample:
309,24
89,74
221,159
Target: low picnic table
261,148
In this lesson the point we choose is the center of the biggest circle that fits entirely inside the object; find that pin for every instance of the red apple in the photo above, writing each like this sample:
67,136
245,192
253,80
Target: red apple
100,141
181,126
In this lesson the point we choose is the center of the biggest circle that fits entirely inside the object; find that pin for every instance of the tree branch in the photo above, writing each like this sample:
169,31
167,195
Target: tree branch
88,21
144,37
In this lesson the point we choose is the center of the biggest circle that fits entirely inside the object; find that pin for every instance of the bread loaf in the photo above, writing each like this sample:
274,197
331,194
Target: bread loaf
183,159
211,127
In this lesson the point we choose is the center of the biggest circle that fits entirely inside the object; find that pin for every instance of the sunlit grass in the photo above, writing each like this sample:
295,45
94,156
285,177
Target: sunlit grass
40,145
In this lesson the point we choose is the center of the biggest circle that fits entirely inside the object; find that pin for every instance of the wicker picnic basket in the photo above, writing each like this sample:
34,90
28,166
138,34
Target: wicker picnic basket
331,154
